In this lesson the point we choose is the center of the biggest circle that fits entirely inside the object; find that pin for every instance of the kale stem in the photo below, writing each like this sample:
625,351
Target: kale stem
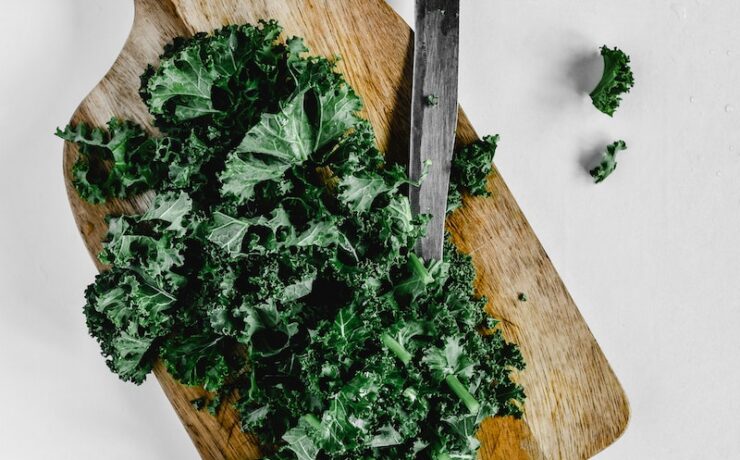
312,420
462,393
608,75
396,348
253,385
444,456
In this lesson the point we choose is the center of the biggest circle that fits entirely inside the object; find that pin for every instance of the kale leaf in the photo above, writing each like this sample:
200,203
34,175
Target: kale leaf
608,161
113,163
471,167
616,80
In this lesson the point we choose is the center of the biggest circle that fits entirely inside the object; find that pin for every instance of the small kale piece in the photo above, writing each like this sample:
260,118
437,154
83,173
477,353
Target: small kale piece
113,163
471,166
608,161
616,80
199,403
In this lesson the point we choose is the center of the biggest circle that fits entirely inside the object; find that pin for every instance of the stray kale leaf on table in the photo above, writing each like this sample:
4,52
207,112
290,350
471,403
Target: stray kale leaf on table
616,79
276,263
608,163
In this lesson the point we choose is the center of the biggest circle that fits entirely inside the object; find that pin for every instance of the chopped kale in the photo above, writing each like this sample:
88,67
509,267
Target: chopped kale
275,267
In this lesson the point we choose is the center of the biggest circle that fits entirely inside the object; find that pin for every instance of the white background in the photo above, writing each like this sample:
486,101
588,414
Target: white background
651,255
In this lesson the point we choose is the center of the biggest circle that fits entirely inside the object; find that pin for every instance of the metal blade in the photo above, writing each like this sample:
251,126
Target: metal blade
433,114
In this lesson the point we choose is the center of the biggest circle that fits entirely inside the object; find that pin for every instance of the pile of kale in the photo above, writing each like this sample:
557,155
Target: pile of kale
276,265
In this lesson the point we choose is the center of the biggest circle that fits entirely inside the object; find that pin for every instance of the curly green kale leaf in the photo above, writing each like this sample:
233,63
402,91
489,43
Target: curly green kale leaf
616,80
127,315
287,138
218,84
113,163
471,166
448,364
608,161
185,82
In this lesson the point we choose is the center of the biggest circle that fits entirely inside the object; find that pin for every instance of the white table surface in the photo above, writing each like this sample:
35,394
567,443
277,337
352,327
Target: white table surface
651,256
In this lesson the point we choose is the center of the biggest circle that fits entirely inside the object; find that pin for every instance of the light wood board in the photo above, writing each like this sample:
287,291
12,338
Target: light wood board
575,405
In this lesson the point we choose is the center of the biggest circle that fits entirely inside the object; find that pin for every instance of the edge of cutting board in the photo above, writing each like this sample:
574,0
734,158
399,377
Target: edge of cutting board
576,406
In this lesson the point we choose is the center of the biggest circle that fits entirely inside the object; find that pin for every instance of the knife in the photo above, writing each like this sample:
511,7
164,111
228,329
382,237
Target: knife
433,115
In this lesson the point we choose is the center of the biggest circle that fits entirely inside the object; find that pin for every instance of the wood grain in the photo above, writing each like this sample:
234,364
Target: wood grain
575,404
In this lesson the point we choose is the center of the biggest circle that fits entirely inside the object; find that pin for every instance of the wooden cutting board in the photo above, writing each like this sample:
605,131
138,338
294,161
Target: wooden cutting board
575,405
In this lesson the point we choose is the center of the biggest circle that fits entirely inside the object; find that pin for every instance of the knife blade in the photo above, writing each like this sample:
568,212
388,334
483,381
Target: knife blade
433,115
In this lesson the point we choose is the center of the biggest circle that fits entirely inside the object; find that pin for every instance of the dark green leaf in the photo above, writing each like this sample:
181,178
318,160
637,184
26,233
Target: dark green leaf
608,161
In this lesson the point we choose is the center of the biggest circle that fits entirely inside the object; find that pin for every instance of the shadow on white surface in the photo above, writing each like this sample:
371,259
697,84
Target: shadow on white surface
585,68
